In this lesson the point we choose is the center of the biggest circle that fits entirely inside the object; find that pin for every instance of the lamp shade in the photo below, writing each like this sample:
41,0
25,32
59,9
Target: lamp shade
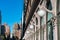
31,26
41,12
27,32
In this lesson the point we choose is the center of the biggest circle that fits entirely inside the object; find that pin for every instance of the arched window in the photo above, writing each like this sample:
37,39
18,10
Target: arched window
36,21
50,27
49,5
50,15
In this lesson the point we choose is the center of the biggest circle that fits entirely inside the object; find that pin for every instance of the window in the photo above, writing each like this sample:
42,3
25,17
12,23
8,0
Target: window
49,5
58,5
58,23
36,21
50,31
49,24
50,27
50,15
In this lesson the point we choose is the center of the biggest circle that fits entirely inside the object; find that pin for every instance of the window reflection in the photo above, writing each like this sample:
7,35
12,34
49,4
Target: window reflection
50,25
50,31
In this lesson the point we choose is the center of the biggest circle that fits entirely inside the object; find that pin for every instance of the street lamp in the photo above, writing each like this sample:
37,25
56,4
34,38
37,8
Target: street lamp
31,26
27,32
41,12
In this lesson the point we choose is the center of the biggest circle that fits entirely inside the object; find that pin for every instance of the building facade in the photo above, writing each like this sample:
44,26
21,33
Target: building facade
44,27
2,30
17,31
7,31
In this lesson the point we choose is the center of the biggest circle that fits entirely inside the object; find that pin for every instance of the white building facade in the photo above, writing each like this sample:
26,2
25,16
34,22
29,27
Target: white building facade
46,27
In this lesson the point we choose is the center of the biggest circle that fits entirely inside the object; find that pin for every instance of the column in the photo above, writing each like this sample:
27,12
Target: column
55,30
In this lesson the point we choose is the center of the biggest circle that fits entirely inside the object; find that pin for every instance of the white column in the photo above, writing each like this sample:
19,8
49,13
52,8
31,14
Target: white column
39,35
44,27
35,33
55,30
38,17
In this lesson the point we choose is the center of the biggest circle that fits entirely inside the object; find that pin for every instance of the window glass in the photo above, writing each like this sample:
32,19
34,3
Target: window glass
58,23
50,15
49,5
58,5
36,21
50,31
50,26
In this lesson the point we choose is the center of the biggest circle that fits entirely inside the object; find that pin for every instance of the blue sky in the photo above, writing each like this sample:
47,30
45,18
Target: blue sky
11,11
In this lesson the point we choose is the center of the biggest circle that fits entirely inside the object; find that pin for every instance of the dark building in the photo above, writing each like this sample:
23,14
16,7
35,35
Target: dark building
2,30
0,22
0,17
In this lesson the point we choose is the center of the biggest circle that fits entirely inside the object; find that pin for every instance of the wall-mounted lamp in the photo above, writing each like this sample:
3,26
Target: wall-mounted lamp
41,12
27,32
31,26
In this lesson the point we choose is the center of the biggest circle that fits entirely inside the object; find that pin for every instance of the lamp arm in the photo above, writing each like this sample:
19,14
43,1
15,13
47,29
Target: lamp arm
43,7
48,10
